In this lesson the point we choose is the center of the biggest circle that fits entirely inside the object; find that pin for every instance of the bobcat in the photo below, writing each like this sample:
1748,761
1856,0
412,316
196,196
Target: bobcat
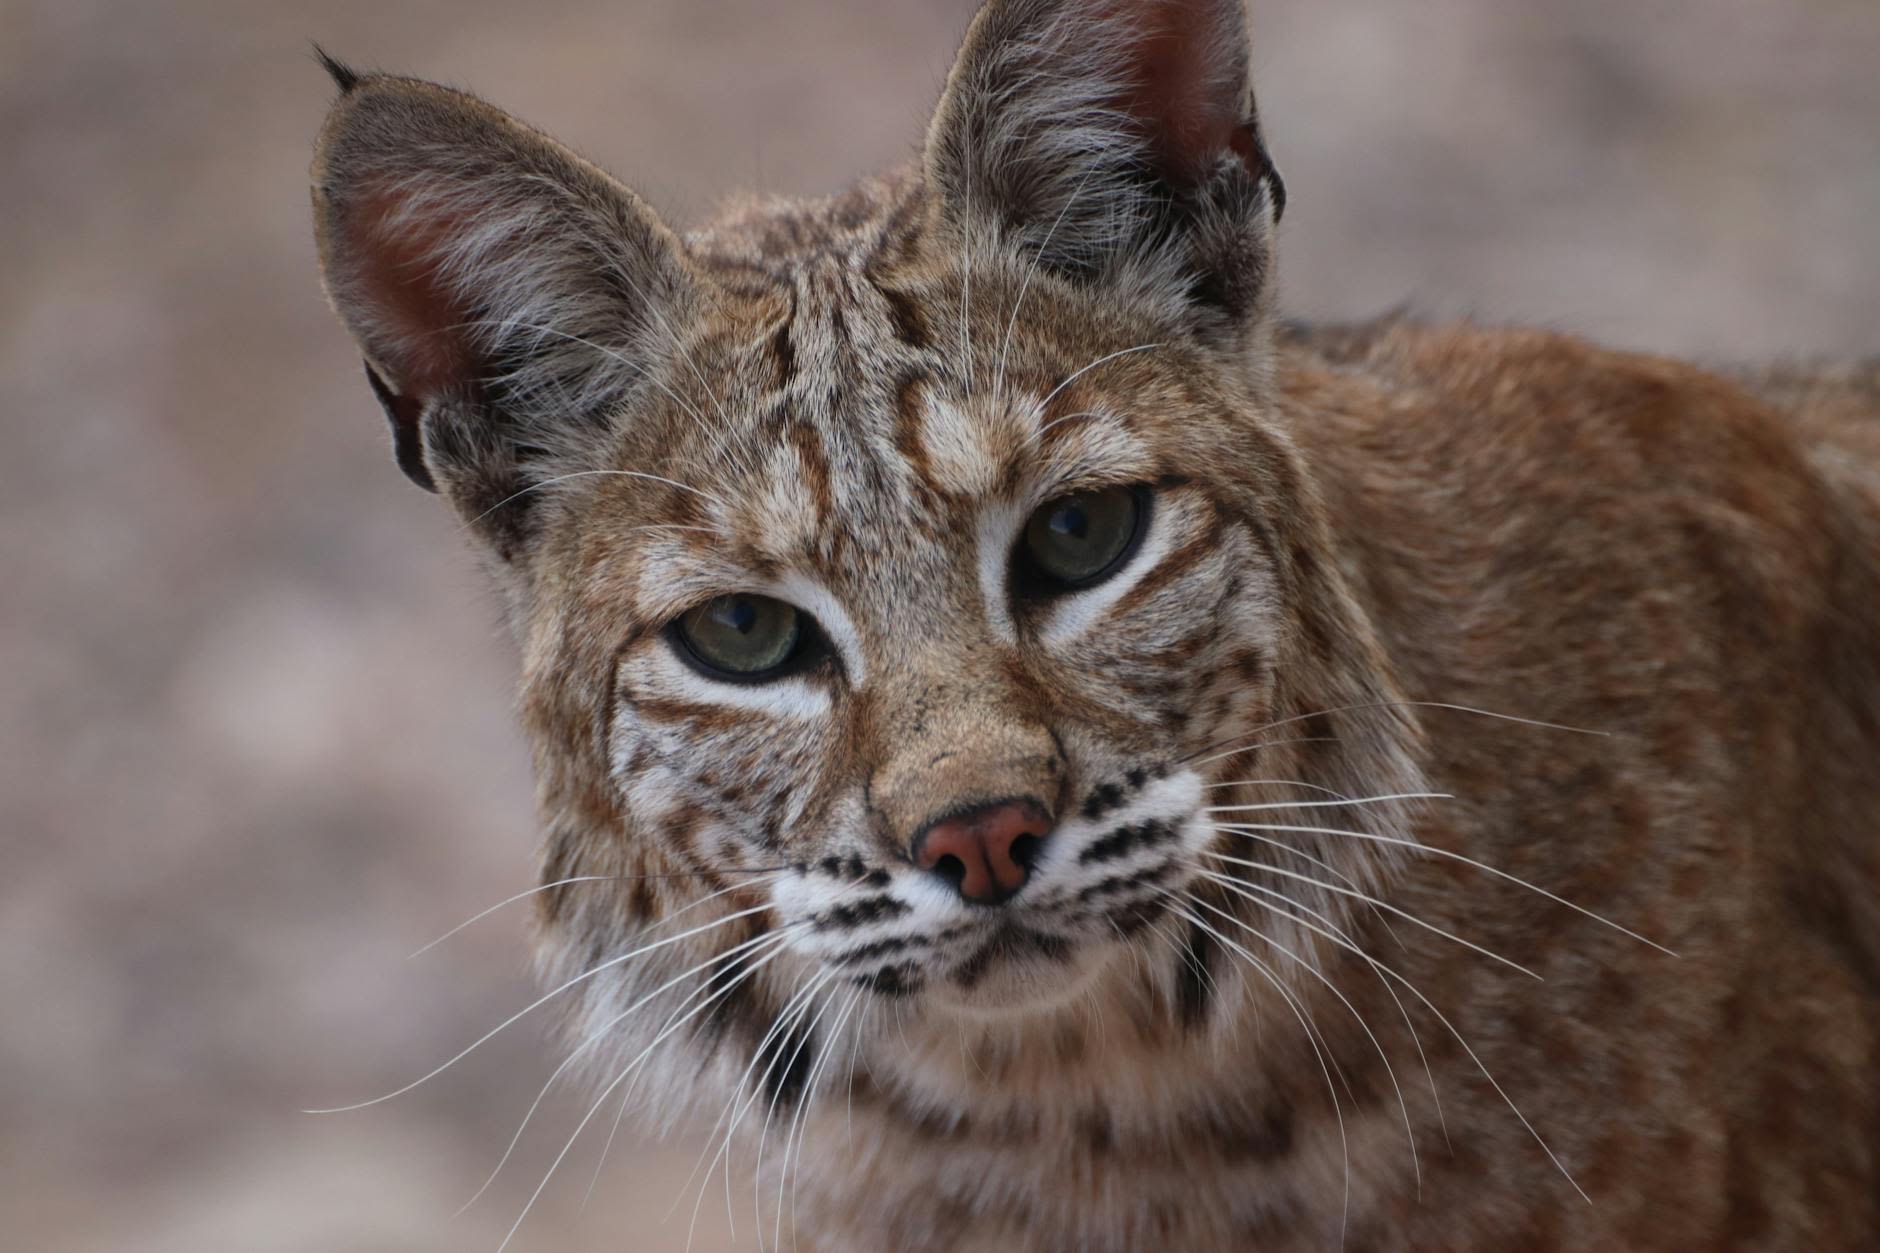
1037,752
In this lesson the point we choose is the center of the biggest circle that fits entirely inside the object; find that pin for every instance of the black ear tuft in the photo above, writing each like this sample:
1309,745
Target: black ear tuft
344,75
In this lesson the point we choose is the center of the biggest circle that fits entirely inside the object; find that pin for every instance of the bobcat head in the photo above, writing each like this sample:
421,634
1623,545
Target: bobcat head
906,583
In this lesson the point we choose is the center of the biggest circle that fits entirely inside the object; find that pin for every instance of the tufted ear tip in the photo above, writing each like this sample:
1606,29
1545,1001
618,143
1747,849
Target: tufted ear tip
344,76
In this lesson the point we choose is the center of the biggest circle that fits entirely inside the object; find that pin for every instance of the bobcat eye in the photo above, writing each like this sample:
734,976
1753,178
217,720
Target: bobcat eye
1074,541
740,637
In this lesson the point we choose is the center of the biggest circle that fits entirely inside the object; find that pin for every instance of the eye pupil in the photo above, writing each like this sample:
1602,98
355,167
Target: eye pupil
739,614
1071,521
1075,541
740,636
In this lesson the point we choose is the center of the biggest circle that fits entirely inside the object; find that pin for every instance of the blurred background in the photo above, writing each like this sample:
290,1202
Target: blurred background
254,699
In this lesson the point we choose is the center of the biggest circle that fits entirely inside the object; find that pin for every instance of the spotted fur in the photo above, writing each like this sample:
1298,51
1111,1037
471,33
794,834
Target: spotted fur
1450,660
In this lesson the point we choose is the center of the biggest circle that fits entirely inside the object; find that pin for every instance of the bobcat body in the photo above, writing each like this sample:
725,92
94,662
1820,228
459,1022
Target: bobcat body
1451,820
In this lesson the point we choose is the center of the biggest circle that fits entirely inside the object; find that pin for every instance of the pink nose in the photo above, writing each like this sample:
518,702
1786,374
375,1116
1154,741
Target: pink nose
987,852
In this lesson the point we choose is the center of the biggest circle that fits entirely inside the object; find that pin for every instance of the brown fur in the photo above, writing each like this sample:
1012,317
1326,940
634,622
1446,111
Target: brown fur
1368,547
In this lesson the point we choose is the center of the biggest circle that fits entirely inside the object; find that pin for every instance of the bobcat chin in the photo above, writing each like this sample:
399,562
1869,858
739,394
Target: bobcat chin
1036,752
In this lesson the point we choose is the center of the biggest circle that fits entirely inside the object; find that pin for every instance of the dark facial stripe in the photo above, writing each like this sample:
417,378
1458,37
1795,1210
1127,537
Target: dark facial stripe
904,315
1178,563
1123,882
735,1005
1194,977
783,353
860,913
815,460
786,1062
892,981
1126,840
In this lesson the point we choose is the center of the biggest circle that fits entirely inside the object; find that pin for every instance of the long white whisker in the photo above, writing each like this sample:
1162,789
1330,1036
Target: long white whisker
618,1080
1406,704
1077,374
511,900
1405,914
1401,842
1330,869
1403,1106
770,1110
540,1001
1024,288
1266,972
1259,744
771,937
1457,1035
587,474
799,1125
730,1120
1245,889
626,1095
1354,800
589,878
1310,787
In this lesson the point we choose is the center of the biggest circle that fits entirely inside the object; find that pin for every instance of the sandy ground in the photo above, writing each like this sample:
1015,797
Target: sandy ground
254,701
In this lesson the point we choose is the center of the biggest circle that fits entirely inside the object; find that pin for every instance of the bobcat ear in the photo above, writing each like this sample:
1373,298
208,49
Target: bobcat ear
1114,139
502,288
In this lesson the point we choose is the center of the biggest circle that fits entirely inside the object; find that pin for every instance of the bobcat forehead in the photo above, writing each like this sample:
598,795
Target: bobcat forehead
969,651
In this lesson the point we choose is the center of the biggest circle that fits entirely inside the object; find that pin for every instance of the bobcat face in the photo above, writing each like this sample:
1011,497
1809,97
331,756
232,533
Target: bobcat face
935,605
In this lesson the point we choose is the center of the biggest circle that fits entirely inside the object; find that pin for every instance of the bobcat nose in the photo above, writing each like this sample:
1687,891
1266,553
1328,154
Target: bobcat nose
985,853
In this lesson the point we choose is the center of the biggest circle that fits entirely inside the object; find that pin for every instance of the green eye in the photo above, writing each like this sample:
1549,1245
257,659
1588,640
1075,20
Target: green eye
1074,541
741,636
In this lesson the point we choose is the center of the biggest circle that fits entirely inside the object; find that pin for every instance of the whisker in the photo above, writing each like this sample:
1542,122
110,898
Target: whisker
1266,972
1248,748
626,1095
1405,914
770,1110
769,937
730,1121
1355,800
1310,787
1061,419
855,1047
1024,288
1457,1035
1409,704
618,1080
1416,1168
536,1004
595,878
1077,374
1327,866
1242,889
584,474
799,1126
1401,842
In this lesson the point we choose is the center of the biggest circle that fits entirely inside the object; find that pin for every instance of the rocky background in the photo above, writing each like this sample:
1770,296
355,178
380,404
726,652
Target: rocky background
254,699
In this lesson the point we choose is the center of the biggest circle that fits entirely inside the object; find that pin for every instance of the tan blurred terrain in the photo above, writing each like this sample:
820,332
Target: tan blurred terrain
253,697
